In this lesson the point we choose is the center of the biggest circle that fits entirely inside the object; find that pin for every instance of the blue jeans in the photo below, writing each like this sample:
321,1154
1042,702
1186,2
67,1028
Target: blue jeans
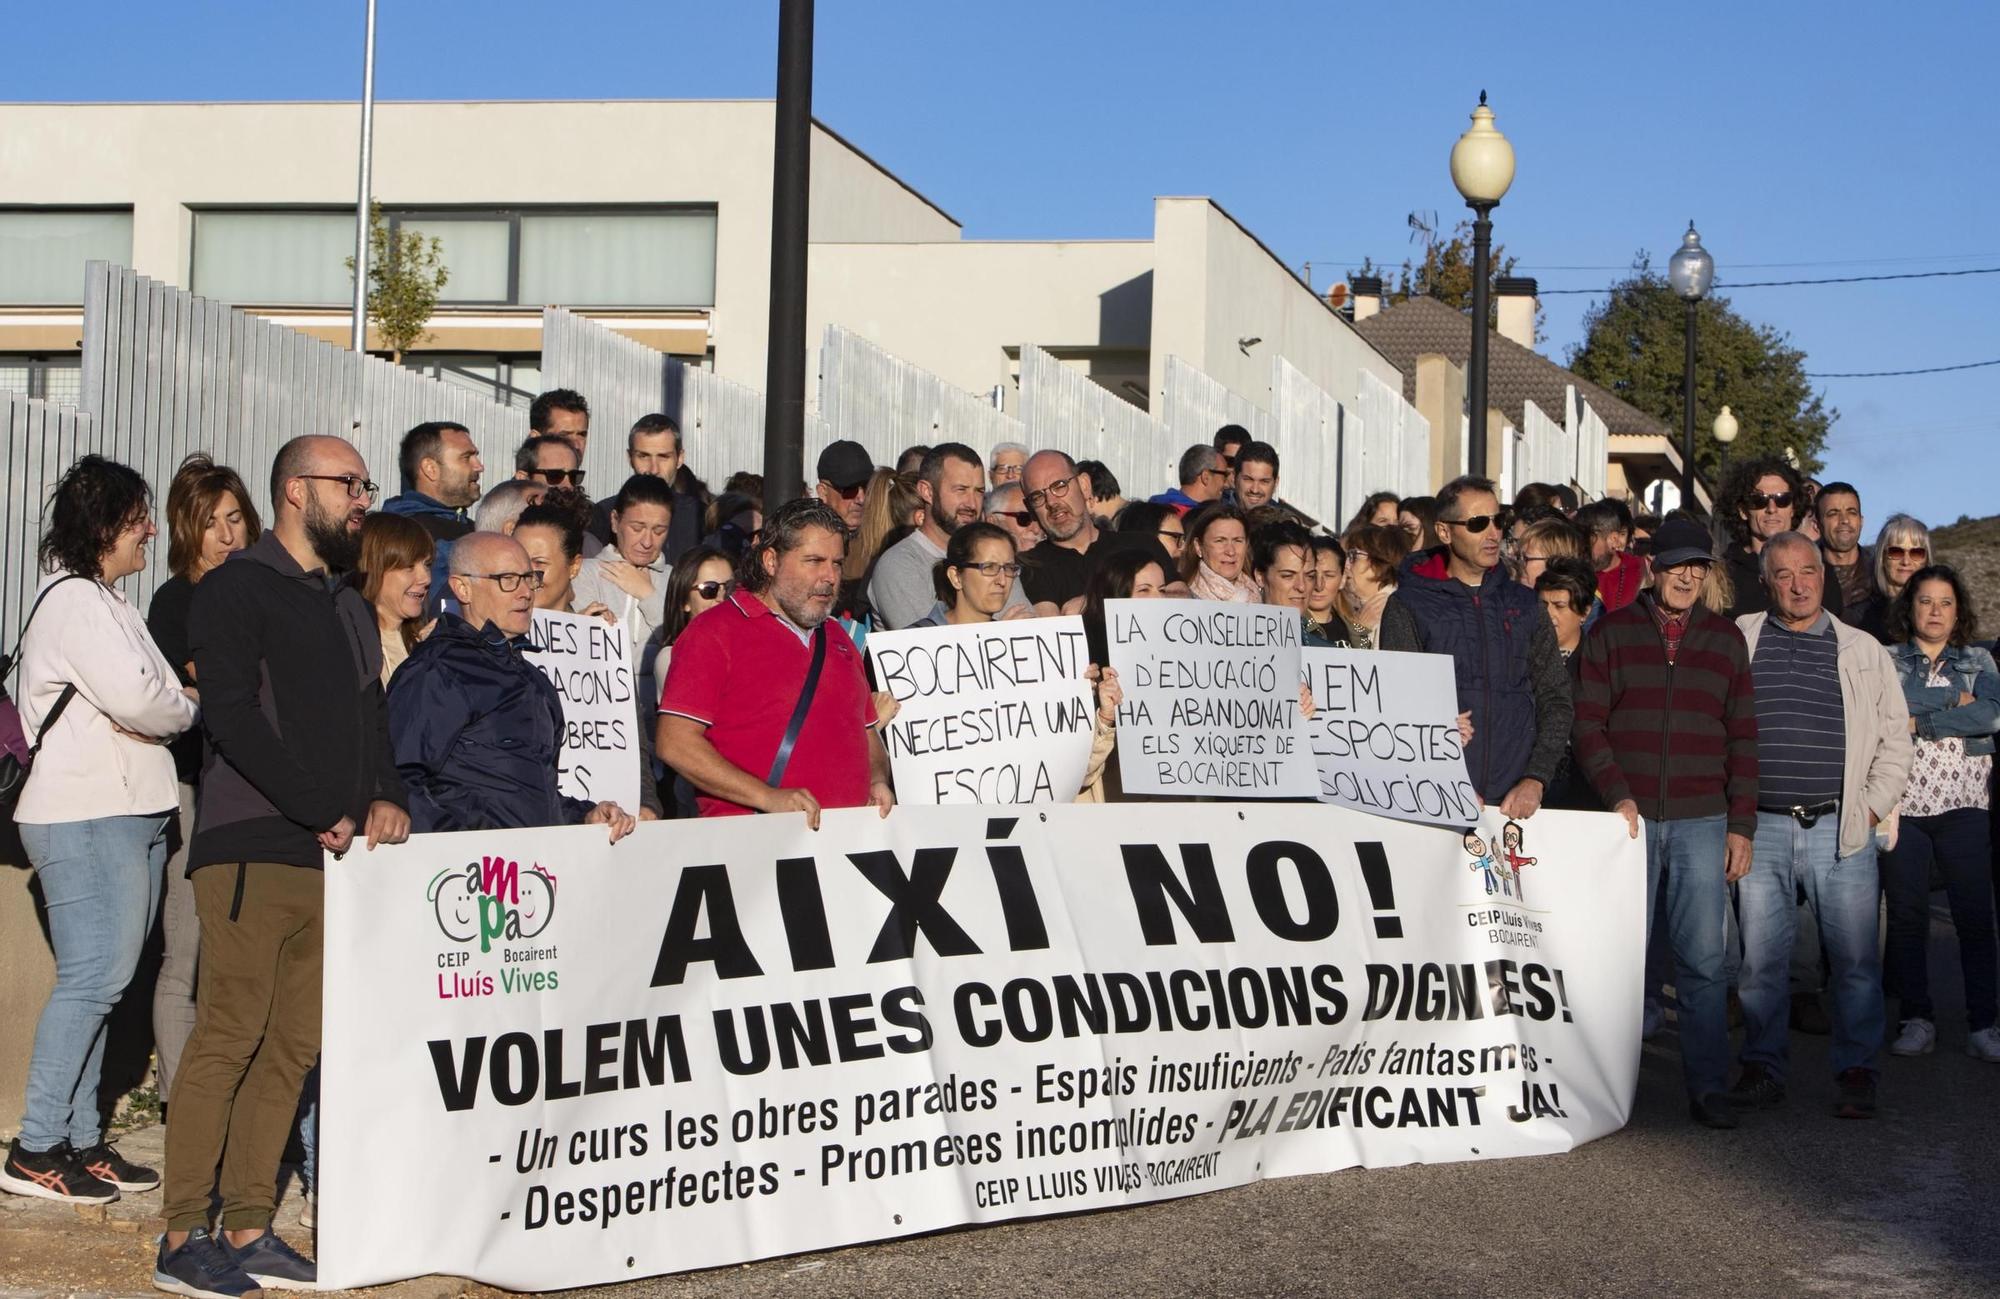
1686,857
1957,841
101,880
1843,892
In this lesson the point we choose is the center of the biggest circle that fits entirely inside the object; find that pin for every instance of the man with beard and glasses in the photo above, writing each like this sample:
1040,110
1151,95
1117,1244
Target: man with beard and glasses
766,709
290,665
952,482
1056,571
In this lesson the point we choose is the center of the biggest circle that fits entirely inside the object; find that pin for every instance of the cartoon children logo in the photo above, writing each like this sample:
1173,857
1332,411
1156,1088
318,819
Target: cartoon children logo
493,898
1513,837
1484,861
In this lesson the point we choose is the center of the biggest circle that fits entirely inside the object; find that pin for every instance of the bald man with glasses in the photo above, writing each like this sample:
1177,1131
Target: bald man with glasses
476,729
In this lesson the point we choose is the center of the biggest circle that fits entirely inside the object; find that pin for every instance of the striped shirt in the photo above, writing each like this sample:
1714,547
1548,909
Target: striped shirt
1801,729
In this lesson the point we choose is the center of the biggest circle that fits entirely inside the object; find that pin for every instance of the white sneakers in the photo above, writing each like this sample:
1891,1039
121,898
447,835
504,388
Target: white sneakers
1917,1037
1984,1045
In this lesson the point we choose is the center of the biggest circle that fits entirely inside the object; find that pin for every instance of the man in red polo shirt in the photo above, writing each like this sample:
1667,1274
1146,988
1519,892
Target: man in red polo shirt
738,676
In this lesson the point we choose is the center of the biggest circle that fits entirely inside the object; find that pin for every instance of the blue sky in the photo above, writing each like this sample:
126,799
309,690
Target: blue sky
1806,140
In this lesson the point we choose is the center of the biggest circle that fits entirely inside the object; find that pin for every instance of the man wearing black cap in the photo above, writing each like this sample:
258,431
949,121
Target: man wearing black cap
1666,730
844,470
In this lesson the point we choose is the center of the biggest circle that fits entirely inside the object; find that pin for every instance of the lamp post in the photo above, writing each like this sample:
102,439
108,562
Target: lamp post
1724,430
1482,167
1690,271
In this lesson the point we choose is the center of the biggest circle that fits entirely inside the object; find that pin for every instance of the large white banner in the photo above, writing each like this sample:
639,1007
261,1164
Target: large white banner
732,1039
1211,699
588,660
1385,734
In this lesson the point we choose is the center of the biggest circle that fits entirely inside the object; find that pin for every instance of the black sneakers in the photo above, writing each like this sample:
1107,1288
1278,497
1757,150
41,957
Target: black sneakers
273,1264
1712,1111
1857,1094
201,1269
103,1162
57,1173
1757,1088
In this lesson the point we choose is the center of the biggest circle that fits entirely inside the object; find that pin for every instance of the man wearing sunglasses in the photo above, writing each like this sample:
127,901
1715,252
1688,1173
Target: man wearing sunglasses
476,729
844,470
1769,499
549,460
1510,672
1006,511
1204,476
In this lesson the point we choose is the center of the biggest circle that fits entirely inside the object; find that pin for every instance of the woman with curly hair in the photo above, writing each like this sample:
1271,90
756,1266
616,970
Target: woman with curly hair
101,704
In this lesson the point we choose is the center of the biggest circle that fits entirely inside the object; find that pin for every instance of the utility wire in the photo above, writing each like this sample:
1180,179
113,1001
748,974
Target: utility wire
1896,374
1838,279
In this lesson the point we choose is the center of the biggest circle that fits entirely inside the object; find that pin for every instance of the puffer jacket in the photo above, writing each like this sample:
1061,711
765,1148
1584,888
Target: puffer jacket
1509,671
1936,709
477,730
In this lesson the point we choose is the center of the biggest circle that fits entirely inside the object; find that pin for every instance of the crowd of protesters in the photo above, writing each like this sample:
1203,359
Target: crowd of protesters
1798,726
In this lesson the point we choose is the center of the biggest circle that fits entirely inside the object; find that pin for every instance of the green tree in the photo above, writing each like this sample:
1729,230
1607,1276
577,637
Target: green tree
406,272
1444,271
1635,344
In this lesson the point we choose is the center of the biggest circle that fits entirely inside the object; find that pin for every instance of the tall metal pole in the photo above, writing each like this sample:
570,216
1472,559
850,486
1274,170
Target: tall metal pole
791,174
1475,382
360,336
1687,417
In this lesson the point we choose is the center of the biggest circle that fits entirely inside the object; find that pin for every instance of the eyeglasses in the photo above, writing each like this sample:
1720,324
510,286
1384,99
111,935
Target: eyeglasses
1219,473
1477,524
1774,501
853,493
557,477
1906,552
1535,559
714,590
510,582
1178,534
1059,490
357,486
1019,518
994,568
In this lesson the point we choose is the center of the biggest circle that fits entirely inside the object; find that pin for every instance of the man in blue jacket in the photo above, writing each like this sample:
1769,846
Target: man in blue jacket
440,468
1510,671
474,726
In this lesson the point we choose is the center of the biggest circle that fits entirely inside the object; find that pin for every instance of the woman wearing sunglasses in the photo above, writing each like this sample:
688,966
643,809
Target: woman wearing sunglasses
1902,548
974,578
700,580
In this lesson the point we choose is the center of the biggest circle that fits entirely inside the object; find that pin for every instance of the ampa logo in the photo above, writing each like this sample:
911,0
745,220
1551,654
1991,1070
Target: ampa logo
493,898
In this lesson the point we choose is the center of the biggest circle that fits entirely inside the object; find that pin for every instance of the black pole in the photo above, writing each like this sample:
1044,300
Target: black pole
1687,419
791,159
1475,382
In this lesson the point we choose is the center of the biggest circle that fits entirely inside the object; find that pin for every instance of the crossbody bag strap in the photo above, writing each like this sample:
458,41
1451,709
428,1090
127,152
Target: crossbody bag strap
13,661
799,710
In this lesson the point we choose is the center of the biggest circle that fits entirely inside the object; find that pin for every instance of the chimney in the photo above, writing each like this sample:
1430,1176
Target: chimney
1514,299
1367,291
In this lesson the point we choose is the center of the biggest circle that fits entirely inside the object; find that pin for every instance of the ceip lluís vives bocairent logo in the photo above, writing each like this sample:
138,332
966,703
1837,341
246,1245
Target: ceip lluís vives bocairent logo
495,903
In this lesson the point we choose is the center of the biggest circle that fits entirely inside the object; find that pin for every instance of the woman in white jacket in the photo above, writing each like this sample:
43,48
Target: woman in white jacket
101,702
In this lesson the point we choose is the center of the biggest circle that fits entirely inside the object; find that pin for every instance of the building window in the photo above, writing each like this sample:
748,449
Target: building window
42,251
57,379
530,257
274,258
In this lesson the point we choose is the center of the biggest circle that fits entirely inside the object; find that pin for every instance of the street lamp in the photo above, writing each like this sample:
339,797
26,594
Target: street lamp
1482,166
1690,271
1724,430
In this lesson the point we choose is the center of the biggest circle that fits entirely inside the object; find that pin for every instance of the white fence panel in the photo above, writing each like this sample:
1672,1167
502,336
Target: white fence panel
42,441
1194,406
870,396
1064,408
722,423
166,374
1318,445
1593,451
1396,446
1547,449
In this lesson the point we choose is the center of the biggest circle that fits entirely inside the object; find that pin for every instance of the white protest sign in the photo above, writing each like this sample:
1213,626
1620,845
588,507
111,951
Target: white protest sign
996,712
1211,699
591,667
730,1039
1385,734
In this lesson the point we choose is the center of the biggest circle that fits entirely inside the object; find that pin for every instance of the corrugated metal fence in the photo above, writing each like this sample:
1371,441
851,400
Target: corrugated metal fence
166,373
42,442
1063,408
722,423
1396,449
1318,445
886,404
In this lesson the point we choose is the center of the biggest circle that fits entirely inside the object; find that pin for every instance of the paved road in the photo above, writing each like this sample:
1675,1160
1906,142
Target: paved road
1796,1202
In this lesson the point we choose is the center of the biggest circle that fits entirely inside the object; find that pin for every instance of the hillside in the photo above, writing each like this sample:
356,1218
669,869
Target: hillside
1972,546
